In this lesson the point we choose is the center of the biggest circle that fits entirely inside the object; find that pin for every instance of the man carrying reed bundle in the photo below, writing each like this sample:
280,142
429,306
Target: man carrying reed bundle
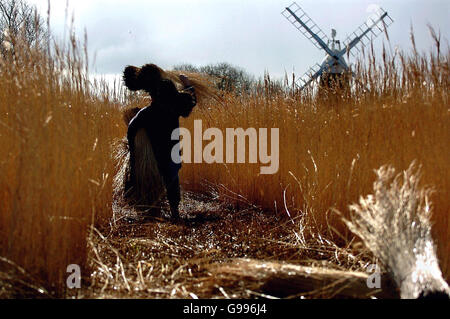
149,136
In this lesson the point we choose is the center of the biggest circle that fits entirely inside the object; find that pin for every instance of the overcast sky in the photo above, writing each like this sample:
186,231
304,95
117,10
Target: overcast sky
249,33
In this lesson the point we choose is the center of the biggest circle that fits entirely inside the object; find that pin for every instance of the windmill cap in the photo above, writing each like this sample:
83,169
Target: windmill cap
333,33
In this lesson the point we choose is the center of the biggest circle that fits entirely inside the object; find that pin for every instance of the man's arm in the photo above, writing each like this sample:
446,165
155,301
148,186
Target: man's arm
187,98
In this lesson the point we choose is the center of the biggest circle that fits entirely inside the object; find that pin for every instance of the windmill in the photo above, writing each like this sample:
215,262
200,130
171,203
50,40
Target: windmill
334,67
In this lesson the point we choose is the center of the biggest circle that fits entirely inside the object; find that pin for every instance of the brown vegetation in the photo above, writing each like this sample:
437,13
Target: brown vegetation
57,169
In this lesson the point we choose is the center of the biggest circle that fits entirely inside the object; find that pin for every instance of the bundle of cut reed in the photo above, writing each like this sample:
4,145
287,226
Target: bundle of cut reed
203,84
394,223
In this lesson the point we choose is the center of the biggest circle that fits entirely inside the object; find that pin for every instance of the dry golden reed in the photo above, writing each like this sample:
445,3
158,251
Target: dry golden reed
330,145
56,164
204,85
394,223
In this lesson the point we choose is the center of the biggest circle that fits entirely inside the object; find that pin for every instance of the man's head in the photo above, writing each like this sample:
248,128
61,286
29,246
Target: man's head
145,78
130,78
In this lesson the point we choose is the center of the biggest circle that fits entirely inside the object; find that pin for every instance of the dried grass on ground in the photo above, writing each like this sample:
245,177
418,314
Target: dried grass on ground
56,175
397,113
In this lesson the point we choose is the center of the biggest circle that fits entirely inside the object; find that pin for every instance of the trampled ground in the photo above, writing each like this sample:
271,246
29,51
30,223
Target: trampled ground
147,256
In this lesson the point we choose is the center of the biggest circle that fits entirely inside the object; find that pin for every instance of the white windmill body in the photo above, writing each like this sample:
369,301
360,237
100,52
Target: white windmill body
334,64
330,64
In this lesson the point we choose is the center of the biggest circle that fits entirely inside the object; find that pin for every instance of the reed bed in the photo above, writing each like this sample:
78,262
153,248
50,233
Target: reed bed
56,169
57,129
331,143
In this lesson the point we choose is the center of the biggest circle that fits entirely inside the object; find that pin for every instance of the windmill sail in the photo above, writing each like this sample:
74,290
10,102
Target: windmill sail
313,73
369,30
302,22
334,62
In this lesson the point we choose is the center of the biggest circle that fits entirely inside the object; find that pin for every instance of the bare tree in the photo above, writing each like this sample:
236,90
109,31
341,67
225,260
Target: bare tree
20,20
229,77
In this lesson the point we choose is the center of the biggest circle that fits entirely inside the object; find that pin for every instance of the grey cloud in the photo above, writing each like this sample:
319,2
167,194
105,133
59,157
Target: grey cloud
251,34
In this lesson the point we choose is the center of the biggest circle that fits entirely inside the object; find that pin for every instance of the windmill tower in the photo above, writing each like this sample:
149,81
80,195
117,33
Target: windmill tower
334,67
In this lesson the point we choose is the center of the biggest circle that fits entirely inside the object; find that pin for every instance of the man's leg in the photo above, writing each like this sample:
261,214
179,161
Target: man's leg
173,194
130,179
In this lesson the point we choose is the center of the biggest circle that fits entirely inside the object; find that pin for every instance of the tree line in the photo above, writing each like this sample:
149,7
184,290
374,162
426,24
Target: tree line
227,77
20,20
